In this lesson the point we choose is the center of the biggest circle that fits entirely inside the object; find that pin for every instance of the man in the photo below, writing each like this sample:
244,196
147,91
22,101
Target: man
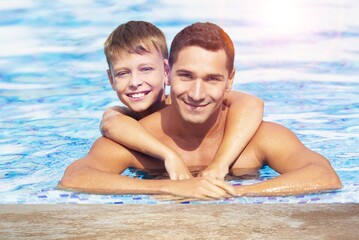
202,71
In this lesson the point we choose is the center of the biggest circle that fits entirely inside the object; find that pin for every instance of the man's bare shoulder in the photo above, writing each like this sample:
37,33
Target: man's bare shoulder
103,146
269,129
154,118
156,123
273,139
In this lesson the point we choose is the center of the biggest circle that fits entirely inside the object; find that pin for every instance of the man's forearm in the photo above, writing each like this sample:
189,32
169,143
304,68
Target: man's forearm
86,179
310,179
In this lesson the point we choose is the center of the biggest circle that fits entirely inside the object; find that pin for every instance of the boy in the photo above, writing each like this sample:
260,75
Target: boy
137,57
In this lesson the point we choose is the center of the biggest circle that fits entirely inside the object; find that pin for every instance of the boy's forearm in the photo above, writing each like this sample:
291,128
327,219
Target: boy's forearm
131,134
243,120
128,132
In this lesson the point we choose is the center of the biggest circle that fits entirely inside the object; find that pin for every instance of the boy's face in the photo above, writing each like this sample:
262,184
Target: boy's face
139,80
199,80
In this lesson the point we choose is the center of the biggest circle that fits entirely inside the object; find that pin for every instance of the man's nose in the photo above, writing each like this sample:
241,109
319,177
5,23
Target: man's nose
197,91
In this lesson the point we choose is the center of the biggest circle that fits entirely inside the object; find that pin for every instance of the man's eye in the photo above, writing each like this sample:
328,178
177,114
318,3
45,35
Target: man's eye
185,76
214,79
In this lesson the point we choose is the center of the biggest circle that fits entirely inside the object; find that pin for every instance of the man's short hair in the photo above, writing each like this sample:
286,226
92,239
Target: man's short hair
205,35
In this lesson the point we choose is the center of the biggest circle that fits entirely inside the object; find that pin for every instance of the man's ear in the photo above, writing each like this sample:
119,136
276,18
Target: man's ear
167,72
110,78
230,80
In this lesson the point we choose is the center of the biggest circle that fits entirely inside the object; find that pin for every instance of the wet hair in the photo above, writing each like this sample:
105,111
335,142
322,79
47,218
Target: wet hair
135,37
205,35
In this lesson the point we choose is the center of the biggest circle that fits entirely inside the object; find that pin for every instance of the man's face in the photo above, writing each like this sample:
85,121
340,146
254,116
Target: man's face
199,80
139,80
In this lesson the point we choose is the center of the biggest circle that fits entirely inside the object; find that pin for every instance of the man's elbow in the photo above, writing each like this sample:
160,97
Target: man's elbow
72,177
330,179
335,182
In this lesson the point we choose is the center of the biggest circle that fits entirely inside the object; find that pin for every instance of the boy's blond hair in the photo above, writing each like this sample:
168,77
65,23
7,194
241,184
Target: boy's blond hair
135,37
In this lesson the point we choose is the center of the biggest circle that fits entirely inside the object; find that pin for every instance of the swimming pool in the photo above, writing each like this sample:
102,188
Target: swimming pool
300,57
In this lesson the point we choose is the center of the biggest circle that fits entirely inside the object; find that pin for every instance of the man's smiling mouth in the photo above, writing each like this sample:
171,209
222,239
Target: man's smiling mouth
197,106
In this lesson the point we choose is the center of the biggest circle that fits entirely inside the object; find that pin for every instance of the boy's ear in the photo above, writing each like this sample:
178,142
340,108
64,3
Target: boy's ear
110,78
230,80
167,72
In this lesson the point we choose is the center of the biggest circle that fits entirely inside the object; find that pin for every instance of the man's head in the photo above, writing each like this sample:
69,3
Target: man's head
201,60
136,54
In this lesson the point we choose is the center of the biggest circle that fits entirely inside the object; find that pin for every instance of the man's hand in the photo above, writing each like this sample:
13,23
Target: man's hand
202,188
215,171
176,168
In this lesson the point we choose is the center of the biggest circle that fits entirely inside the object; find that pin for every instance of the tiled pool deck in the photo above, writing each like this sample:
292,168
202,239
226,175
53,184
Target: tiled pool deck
176,221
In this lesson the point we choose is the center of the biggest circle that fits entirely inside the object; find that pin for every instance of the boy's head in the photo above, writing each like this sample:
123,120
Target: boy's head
205,35
134,37
137,54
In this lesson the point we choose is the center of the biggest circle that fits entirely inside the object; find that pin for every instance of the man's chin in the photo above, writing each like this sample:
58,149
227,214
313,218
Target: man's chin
194,120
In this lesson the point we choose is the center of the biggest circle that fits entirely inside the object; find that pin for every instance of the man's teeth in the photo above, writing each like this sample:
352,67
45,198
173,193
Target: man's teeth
137,95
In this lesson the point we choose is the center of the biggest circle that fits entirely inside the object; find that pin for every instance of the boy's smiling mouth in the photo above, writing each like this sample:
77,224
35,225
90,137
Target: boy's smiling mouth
137,95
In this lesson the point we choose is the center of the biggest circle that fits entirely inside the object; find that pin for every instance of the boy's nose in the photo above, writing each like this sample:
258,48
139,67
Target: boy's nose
135,81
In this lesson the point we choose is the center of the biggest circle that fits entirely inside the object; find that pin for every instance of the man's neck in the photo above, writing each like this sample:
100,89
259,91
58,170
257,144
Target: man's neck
196,133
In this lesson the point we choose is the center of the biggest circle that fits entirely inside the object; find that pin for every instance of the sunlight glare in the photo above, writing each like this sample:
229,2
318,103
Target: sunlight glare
281,17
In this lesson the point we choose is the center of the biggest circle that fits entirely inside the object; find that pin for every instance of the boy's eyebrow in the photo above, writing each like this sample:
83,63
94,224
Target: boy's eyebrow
119,69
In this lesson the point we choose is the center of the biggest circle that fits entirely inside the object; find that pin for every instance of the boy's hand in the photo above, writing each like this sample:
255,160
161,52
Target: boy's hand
215,171
176,168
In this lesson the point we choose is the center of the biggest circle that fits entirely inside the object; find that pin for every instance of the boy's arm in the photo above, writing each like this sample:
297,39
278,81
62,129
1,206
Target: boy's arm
244,116
125,130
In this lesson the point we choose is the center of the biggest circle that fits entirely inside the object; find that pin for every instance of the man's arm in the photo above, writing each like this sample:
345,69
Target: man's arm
245,114
118,126
99,172
301,170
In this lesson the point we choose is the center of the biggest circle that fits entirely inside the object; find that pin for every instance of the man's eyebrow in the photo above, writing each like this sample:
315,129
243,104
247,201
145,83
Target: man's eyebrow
216,75
183,71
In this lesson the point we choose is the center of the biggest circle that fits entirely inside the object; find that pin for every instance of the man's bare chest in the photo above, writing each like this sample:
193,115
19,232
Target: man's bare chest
196,153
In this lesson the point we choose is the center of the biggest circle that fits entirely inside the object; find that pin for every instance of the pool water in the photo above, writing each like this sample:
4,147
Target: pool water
300,57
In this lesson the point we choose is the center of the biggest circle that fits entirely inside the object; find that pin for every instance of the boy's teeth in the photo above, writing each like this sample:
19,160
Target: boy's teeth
137,95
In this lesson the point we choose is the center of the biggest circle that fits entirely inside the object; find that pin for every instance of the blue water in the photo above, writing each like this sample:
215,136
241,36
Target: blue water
300,57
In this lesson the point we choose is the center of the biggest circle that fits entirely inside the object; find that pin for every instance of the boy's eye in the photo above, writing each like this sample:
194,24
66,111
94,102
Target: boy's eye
146,69
121,74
